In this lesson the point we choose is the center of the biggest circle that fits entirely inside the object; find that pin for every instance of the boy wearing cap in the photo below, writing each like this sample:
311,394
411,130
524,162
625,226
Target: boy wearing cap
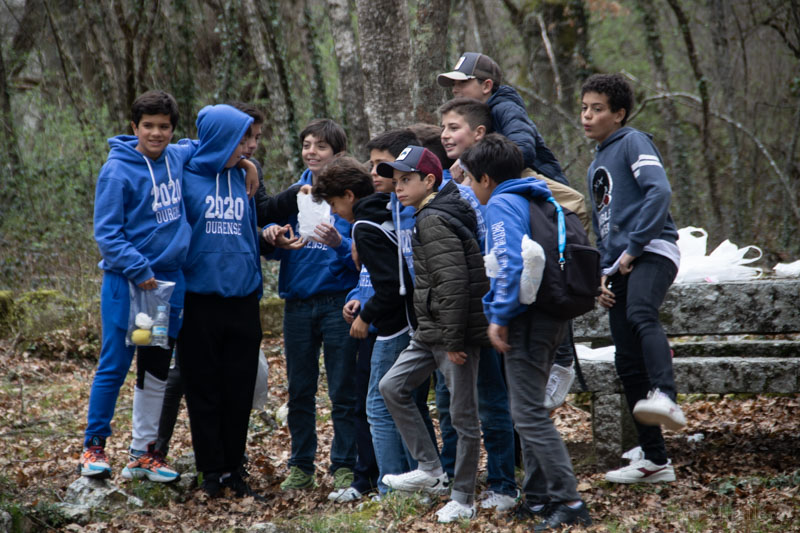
478,76
449,284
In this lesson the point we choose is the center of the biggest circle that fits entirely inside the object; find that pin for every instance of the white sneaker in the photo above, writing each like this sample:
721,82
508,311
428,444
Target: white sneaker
453,511
558,385
499,502
349,494
659,410
417,480
642,471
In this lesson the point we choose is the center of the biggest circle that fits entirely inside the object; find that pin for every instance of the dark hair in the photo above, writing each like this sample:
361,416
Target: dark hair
393,141
430,137
475,112
327,130
342,174
495,156
615,87
155,103
249,109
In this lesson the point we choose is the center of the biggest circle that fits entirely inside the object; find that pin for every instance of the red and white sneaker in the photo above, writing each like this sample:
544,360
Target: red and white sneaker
149,464
93,462
642,471
658,409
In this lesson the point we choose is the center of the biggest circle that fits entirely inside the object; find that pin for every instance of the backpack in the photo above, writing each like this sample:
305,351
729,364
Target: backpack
571,277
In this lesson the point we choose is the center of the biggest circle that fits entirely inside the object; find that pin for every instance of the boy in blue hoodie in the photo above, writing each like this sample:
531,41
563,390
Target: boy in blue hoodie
314,281
640,258
478,76
525,335
141,231
218,344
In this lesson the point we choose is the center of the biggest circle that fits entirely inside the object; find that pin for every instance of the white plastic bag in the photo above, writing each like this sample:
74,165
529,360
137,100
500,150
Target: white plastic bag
311,214
532,270
148,316
788,270
726,263
261,392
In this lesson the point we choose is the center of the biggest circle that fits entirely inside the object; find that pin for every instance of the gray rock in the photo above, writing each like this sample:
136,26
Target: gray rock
6,522
267,527
98,493
74,513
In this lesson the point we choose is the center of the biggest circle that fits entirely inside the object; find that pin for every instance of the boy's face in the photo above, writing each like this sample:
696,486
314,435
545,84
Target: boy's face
483,189
411,188
154,133
457,135
375,158
472,88
251,140
237,152
598,120
316,153
343,205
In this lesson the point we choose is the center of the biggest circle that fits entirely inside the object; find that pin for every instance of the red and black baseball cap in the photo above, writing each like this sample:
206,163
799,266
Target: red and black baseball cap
413,159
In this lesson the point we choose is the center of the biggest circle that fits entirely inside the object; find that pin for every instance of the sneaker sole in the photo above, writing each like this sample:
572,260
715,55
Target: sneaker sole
661,477
139,473
95,474
655,418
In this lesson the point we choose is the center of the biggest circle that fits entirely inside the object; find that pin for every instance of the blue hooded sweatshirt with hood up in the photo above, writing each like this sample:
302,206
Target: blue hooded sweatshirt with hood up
224,252
139,218
508,218
316,268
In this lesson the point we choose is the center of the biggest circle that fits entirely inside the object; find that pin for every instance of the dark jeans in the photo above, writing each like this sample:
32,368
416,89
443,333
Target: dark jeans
643,357
169,408
365,472
309,325
496,424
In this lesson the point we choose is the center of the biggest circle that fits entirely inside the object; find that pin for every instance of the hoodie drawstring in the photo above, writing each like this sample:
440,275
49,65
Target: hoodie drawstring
399,247
153,178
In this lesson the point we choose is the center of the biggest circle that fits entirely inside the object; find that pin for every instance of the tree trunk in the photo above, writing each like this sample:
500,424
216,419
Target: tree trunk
383,43
30,26
351,81
9,135
319,100
428,58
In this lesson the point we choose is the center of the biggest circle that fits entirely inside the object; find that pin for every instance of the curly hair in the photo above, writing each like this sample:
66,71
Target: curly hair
615,87
342,174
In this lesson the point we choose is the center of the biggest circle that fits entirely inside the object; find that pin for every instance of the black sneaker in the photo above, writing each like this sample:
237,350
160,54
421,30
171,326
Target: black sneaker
563,515
524,511
239,487
211,485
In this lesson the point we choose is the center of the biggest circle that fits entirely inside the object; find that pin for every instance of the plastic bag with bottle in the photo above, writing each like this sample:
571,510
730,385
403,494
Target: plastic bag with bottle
148,318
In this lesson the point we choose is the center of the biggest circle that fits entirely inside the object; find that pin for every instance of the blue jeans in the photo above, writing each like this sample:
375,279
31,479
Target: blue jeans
643,359
308,325
390,452
496,424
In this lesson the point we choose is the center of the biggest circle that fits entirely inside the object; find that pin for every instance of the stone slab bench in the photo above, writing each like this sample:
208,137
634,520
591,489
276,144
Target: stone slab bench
720,363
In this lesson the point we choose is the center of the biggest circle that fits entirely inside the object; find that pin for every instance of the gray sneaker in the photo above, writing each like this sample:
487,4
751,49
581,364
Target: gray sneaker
558,385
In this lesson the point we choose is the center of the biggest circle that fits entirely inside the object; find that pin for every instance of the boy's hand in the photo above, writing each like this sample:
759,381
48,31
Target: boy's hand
305,189
277,236
458,358
327,235
457,172
498,336
626,263
606,298
359,329
251,176
350,310
149,284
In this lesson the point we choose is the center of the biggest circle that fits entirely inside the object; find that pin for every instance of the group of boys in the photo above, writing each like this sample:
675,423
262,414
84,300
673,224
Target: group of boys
393,290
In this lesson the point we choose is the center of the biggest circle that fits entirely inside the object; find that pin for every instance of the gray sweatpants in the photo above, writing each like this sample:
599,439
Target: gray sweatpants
534,337
413,366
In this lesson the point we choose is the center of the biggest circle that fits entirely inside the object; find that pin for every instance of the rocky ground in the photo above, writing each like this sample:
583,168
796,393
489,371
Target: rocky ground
737,462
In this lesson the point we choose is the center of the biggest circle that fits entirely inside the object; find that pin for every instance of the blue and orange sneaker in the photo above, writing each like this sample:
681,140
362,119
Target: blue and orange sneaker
149,464
93,462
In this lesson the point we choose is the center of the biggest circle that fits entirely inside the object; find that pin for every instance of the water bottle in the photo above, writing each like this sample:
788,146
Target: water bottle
160,325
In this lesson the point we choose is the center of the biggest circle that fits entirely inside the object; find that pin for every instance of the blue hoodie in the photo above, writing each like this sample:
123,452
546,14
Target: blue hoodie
316,268
631,195
468,195
510,119
139,218
508,216
224,251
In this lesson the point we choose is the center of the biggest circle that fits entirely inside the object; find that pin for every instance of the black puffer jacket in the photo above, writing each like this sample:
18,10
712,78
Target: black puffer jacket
450,279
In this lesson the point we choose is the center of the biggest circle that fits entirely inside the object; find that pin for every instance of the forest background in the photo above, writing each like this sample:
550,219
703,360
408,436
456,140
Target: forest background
717,82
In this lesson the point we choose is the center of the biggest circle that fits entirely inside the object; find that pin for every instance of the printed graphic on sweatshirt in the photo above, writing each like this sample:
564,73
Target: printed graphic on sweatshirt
406,248
602,189
223,215
645,160
364,279
167,201
500,251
